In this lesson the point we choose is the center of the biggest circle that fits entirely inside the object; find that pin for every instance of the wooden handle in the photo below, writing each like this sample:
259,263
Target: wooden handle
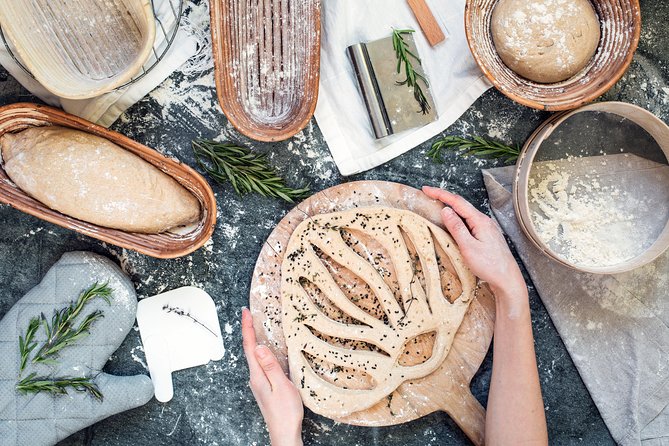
468,414
427,22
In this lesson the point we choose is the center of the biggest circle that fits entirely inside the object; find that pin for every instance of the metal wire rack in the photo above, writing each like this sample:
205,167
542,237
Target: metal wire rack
168,15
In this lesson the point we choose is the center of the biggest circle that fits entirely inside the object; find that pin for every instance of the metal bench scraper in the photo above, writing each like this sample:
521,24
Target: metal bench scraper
391,105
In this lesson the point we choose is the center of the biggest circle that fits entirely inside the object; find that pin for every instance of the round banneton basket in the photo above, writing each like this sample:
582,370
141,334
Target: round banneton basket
621,27
656,130
75,79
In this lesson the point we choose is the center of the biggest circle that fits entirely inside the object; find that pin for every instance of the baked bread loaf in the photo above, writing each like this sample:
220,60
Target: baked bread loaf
545,41
92,179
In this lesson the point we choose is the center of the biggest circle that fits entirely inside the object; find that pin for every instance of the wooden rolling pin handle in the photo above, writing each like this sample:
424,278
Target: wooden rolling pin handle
427,22
468,414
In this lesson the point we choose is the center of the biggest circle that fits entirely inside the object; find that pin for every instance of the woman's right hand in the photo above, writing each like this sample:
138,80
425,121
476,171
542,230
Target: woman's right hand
515,410
482,245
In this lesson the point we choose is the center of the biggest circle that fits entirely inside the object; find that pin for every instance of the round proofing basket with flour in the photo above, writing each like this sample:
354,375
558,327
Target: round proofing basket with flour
79,50
620,30
648,123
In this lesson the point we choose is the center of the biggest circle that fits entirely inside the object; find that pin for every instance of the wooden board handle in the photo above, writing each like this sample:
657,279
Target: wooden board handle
468,414
427,22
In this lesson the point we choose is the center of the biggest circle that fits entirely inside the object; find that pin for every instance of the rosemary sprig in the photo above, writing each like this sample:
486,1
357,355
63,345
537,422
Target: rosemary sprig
28,344
61,331
404,56
58,386
475,146
246,170
181,312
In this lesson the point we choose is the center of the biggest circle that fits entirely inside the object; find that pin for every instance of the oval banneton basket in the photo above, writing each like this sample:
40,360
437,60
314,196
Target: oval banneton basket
166,245
619,39
267,63
521,196
445,389
85,48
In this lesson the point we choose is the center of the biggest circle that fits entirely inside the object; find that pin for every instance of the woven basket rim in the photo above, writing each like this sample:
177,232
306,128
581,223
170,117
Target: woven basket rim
555,104
163,245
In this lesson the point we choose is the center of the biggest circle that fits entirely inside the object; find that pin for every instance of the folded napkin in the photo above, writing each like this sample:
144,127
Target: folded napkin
615,327
455,80
106,109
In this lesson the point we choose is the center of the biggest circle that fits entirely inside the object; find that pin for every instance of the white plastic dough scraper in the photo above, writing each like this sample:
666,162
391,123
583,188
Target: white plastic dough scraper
179,330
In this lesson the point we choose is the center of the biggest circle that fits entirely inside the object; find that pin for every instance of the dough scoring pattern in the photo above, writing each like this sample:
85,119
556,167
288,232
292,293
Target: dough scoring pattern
360,289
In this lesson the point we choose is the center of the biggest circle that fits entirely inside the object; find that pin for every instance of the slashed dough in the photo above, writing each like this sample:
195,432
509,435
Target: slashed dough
92,179
423,287
545,41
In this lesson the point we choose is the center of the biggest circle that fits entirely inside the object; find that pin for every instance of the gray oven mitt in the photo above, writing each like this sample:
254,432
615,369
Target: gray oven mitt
42,418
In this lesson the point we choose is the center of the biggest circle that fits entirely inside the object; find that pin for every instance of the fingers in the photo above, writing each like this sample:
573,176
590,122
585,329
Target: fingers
271,367
464,208
257,376
457,227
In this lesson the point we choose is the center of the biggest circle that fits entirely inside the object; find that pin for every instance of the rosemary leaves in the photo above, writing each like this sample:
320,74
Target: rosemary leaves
27,344
61,331
246,170
58,386
474,146
183,313
404,56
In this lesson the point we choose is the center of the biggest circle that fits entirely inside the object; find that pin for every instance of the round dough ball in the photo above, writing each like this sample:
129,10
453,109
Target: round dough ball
545,41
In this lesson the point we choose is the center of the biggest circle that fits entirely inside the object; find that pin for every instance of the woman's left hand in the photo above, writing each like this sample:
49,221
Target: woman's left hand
279,400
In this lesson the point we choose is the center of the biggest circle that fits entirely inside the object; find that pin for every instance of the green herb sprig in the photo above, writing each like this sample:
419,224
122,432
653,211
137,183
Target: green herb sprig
60,332
246,170
58,386
27,344
404,56
474,146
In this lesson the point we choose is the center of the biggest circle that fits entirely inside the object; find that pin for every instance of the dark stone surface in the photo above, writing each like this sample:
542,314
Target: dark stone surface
212,405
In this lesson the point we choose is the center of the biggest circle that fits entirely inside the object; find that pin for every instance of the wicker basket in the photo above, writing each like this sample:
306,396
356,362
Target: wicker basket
80,50
267,62
165,245
617,45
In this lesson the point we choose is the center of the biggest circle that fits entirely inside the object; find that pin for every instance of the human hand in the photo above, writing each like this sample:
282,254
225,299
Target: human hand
482,245
277,397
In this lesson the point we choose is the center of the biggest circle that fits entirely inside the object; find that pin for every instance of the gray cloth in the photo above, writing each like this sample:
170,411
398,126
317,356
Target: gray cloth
43,419
615,327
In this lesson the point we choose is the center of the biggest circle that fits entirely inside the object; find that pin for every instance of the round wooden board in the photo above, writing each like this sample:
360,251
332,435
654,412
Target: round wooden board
445,389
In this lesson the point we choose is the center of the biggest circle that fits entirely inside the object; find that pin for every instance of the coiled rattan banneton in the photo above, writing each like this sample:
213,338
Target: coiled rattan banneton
621,27
80,49
16,117
267,62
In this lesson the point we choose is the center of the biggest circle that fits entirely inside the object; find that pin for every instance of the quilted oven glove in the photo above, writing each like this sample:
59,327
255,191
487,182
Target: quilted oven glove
44,418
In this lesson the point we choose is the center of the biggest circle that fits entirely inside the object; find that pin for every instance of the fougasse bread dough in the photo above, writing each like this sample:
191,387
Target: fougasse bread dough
358,287
92,179
546,41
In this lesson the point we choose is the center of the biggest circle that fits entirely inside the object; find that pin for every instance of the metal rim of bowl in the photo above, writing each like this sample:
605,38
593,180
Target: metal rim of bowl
641,117
170,34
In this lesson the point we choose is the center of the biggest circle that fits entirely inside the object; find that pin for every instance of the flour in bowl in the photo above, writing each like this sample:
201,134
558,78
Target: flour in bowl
586,213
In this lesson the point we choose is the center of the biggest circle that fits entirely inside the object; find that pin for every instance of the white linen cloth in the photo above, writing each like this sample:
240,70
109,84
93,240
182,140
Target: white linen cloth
107,108
455,79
